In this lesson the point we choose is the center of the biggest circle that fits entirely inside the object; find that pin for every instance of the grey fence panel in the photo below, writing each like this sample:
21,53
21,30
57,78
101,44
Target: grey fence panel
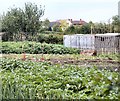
107,44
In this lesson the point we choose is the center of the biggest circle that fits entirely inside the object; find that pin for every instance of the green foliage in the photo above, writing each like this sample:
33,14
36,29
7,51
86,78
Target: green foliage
42,80
51,32
12,20
57,28
36,48
22,20
50,38
32,16
45,24
0,23
116,23
101,28
84,29
11,23
70,30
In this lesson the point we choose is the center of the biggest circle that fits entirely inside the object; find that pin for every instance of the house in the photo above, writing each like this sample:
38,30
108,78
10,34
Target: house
65,23
77,22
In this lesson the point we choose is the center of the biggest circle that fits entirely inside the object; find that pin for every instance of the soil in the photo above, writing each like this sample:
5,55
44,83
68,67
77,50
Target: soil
101,63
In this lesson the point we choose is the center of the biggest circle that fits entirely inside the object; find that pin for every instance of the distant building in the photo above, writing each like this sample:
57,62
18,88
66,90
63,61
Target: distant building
119,9
54,23
65,23
77,22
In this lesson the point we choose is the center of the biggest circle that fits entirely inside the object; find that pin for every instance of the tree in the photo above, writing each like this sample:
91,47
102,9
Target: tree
116,23
11,22
57,28
70,30
64,25
32,16
0,23
85,29
45,25
23,20
77,29
100,28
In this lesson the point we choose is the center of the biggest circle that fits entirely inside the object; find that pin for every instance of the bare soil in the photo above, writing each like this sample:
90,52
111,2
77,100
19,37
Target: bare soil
99,62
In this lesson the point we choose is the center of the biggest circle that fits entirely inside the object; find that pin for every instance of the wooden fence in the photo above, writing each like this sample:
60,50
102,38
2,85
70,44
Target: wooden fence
107,44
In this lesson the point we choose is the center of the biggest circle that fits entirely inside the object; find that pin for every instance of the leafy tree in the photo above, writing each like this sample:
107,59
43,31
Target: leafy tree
70,30
32,15
0,23
12,22
85,29
101,28
23,20
45,26
46,23
64,25
78,29
116,23
57,28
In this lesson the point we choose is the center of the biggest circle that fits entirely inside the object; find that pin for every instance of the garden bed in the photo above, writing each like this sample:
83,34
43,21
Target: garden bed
110,62
43,80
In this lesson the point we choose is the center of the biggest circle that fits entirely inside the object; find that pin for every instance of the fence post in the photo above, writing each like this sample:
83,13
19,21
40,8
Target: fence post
102,50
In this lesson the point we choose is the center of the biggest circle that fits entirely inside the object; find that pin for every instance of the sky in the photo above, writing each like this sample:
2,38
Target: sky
87,10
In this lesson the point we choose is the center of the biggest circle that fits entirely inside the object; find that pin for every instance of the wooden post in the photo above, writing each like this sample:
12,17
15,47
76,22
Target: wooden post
106,51
115,51
102,50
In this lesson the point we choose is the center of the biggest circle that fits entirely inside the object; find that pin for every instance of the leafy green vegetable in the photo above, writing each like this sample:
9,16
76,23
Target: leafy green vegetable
42,80
36,48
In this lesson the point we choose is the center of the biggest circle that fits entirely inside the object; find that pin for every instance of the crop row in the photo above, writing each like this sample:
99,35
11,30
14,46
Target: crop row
42,80
36,48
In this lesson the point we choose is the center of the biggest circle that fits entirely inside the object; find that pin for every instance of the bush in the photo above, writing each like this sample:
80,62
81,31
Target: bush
36,48
50,38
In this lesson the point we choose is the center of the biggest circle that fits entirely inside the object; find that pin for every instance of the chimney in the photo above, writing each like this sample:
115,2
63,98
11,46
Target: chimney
70,20
80,21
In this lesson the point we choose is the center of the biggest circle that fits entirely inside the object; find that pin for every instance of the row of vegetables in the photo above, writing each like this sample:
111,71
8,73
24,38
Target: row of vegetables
43,80
35,48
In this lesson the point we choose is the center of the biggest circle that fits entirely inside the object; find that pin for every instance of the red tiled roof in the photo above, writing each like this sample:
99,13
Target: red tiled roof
78,22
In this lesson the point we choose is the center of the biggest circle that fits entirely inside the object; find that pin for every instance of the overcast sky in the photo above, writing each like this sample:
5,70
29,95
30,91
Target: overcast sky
88,10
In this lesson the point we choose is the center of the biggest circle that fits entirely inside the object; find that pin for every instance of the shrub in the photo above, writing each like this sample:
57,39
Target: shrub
50,38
